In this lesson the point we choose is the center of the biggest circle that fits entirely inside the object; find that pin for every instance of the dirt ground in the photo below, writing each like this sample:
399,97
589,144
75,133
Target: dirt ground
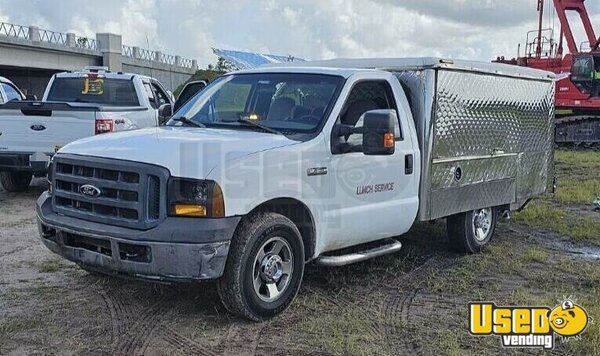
413,302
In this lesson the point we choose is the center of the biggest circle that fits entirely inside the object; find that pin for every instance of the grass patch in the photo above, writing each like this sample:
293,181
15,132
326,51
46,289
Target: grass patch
52,265
342,330
571,191
547,217
537,254
581,159
449,342
15,325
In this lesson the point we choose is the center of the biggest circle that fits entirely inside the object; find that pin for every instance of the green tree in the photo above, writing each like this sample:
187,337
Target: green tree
209,74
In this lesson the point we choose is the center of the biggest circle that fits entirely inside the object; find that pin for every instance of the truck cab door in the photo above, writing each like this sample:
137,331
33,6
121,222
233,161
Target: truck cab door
376,196
189,91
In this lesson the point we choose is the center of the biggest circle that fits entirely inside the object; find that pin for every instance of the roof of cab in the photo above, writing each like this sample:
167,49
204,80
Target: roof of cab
301,68
349,65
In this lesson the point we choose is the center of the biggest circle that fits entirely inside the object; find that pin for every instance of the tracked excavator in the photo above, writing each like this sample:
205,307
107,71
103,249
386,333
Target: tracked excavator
578,71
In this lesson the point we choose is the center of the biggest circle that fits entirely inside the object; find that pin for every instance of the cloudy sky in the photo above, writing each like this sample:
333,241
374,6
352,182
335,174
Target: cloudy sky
314,29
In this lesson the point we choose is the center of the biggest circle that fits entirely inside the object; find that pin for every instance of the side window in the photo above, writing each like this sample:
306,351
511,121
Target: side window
11,92
151,96
161,96
365,96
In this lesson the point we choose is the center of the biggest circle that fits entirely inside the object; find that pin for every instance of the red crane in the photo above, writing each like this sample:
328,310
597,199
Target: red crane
578,72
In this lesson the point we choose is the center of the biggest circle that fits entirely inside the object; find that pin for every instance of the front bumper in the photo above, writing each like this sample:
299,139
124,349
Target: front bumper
178,249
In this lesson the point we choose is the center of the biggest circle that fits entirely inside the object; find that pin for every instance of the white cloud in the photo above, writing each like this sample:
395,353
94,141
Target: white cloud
475,29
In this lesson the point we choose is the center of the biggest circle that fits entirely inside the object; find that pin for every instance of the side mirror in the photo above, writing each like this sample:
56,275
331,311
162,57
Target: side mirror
189,91
30,97
165,111
378,132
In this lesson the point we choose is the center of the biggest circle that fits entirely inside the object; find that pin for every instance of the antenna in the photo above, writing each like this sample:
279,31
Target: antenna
151,61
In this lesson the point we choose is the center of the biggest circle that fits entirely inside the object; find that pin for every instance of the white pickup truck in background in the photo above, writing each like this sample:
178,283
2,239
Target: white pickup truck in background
9,91
75,105
267,169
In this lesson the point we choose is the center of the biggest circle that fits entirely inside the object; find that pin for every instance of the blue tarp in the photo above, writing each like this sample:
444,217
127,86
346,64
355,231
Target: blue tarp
249,60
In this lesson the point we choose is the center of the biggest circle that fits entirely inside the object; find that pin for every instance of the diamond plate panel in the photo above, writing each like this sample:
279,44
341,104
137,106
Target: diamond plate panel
473,171
497,129
477,114
475,196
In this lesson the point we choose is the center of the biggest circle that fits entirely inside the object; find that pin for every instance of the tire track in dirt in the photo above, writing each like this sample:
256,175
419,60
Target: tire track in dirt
137,335
183,344
399,308
242,340
120,313
133,331
18,249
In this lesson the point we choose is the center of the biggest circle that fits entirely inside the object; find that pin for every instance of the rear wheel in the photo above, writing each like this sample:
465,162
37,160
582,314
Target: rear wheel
264,268
471,231
15,181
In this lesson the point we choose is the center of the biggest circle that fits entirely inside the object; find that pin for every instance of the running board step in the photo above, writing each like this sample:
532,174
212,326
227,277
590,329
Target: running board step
387,246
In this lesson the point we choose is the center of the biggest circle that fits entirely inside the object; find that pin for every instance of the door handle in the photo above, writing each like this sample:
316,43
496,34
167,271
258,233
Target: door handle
408,164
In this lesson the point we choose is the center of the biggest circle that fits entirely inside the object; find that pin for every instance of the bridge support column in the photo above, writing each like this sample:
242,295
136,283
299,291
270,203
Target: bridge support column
34,34
112,49
71,42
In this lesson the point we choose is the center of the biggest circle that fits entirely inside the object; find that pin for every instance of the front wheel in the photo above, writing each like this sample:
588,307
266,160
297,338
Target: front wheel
264,267
471,231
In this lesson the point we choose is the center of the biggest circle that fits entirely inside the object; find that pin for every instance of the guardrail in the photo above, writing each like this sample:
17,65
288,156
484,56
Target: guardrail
53,37
71,40
155,56
86,43
127,51
15,31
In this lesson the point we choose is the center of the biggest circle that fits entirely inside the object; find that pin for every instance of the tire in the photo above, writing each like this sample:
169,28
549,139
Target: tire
253,269
15,181
467,234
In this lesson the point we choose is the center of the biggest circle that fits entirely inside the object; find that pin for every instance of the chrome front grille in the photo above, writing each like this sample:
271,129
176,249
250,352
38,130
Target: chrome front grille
126,194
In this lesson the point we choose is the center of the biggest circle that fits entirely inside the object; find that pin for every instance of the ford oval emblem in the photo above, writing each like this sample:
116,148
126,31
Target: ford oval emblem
38,127
90,191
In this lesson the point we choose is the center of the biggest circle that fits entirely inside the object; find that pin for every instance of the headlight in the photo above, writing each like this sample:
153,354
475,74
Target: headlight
195,198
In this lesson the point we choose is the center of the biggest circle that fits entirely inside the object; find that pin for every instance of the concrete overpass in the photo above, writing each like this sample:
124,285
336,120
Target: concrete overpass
30,55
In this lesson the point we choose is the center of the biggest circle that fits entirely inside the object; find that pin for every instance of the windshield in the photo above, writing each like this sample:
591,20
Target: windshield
583,68
111,92
288,103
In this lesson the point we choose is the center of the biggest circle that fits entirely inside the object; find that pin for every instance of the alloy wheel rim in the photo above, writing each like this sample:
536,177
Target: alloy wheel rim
273,268
482,223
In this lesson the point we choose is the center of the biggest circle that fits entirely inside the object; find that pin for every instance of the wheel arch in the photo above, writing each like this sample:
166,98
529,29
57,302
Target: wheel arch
299,214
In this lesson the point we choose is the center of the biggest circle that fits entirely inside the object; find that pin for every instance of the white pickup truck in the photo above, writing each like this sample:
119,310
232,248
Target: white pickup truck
9,91
268,169
75,105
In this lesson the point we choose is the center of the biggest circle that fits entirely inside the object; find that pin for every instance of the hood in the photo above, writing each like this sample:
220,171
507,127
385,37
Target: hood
185,151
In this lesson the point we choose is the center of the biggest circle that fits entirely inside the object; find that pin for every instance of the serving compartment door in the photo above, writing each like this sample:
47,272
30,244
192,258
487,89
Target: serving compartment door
492,141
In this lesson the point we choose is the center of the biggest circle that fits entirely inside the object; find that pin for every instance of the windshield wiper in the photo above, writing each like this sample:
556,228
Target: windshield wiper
189,122
242,120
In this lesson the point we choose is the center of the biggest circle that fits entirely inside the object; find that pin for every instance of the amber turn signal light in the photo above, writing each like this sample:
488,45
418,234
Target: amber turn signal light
389,140
193,210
